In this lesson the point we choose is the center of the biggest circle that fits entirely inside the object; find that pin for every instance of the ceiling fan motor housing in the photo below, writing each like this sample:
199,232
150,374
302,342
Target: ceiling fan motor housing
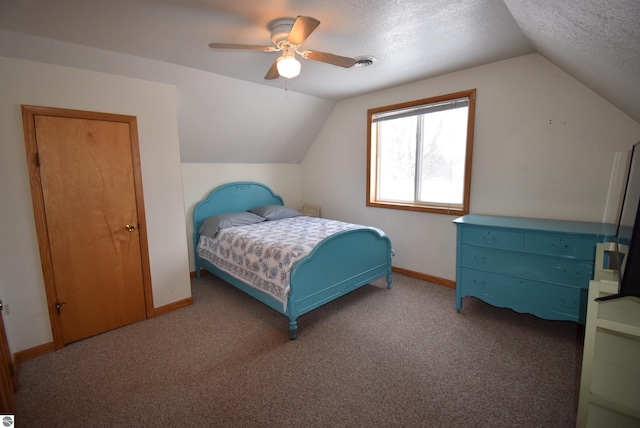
280,29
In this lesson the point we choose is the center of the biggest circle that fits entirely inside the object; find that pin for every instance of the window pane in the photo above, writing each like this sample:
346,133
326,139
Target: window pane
443,158
397,159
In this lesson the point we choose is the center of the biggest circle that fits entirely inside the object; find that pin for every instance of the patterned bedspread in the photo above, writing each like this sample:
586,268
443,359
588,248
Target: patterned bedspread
263,254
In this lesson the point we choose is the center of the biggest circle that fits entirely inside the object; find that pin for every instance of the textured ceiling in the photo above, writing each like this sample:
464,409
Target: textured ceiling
598,42
411,39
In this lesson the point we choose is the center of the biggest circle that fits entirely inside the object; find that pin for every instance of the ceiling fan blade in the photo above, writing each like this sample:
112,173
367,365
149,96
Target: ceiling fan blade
240,46
273,71
303,26
328,58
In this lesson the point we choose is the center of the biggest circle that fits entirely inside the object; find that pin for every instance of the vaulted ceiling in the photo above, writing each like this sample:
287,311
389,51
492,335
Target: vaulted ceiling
597,42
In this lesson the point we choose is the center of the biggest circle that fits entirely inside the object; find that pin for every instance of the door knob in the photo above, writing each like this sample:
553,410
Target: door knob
59,305
130,228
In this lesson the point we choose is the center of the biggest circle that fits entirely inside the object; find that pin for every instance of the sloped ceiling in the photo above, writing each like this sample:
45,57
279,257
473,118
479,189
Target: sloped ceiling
596,42
411,39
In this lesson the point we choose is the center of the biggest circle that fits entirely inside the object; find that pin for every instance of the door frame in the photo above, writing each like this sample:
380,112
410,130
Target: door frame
8,381
28,120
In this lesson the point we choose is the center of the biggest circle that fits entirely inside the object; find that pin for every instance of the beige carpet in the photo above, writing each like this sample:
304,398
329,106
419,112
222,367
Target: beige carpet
375,358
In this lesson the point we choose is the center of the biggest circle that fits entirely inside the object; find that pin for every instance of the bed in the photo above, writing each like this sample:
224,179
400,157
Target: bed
335,266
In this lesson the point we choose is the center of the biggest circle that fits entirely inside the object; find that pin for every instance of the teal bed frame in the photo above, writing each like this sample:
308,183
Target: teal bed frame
338,265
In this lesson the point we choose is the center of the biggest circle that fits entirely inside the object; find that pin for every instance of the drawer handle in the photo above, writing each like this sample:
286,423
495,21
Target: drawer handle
480,259
560,248
480,284
572,304
573,276
489,239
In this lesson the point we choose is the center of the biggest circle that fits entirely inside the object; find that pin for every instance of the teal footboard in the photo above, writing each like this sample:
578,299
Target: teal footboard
338,265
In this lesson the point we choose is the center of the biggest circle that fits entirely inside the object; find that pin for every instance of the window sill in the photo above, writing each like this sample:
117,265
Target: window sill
420,208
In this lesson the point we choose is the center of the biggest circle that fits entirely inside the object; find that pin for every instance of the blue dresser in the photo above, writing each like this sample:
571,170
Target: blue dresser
537,266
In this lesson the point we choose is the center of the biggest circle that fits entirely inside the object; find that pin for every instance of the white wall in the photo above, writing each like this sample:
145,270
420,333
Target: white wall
154,105
544,146
201,178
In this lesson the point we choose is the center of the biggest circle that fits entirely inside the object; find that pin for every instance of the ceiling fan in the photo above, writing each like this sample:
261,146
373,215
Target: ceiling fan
287,35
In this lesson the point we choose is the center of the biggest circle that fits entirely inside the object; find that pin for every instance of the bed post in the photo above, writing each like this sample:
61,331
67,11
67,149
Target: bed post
389,266
293,329
198,268
293,315
196,236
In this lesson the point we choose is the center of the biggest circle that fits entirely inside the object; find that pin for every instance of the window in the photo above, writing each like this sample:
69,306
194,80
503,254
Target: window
419,154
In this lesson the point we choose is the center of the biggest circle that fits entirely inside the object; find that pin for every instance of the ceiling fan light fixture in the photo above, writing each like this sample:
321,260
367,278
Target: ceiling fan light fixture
288,66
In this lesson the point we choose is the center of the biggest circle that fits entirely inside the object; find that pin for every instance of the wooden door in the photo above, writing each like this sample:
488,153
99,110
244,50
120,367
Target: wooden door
7,383
85,172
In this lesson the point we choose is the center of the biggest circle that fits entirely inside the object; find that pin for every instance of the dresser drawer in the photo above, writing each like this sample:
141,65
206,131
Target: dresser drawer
555,298
526,265
560,245
494,238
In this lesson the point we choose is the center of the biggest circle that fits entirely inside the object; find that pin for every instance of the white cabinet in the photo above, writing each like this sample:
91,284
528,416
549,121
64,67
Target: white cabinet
610,382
